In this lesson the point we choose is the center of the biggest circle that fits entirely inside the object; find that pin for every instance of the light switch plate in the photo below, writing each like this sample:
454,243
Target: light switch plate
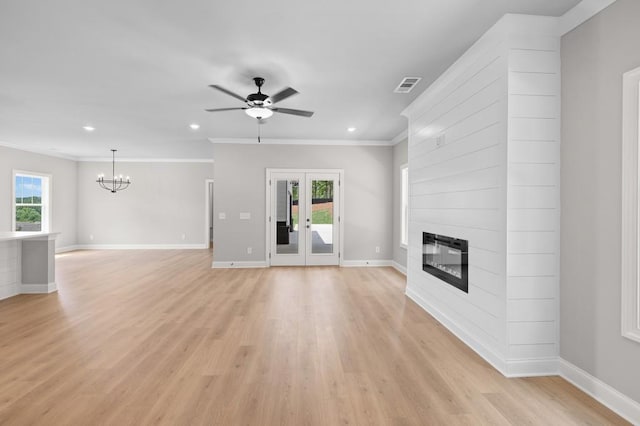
245,215
222,215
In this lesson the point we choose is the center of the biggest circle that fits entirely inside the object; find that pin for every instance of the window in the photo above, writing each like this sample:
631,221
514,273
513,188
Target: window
404,203
31,202
630,206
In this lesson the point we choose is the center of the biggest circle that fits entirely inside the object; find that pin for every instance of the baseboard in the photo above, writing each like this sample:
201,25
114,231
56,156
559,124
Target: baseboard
67,249
533,367
239,265
398,267
8,291
38,288
491,357
139,246
600,391
365,263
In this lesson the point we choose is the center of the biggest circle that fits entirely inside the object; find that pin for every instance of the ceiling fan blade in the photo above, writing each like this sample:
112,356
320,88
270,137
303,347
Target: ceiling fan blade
222,109
293,111
228,92
282,95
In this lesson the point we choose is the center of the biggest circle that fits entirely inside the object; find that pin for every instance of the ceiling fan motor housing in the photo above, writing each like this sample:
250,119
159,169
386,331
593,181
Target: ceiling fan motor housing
257,98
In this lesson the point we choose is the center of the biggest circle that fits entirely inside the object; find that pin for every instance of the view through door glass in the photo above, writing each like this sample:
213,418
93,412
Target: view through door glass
287,216
322,220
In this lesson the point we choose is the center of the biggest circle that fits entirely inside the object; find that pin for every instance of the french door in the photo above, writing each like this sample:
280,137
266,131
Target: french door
304,221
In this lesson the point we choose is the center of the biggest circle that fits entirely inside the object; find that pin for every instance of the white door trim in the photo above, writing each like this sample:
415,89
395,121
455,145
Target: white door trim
268,172
206,212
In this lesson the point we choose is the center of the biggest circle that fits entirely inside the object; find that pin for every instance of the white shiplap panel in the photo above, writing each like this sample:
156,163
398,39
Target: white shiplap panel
478,199
494,181
489,281
464,218
531,242
532,333
545,129
464,128
483,138
471,161
533,351
542,220
533,174
481,94
533,61
532,287
532,310
480,238
541,197
532,265
460,303
534,42
475,180
534,151
546,84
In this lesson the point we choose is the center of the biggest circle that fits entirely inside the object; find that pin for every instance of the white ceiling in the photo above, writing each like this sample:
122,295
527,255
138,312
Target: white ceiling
138,71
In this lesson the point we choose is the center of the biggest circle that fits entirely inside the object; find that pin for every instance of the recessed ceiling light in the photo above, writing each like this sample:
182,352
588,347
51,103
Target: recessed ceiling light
89,128
351,129
194,126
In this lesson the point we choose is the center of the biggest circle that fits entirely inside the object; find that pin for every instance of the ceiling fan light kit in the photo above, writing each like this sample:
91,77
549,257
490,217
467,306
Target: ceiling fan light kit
258,112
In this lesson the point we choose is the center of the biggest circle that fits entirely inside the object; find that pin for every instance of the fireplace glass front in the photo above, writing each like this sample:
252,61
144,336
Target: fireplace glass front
446,258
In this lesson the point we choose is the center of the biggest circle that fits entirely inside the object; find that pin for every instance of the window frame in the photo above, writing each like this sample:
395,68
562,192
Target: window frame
45,201
404,205
630,278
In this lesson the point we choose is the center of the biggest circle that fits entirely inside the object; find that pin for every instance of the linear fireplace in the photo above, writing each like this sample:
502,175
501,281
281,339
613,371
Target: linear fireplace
446,258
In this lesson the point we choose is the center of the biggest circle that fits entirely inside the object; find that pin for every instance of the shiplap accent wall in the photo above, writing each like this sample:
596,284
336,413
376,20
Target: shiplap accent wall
483,166
9,273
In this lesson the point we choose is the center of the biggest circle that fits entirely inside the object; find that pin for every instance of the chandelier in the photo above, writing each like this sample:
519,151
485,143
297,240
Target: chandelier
116,183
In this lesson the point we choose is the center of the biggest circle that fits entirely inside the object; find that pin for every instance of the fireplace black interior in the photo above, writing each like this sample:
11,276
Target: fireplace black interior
446,258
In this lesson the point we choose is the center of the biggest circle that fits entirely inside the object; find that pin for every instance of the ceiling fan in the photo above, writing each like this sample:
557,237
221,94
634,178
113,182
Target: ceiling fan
260,105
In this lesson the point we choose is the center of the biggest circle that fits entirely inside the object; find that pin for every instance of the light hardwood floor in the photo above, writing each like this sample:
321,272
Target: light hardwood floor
157,337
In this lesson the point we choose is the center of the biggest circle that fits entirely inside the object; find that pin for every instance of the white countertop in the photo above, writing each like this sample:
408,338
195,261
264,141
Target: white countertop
9,236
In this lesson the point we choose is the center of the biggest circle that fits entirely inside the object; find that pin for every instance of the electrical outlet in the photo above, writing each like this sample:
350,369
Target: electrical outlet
222,215
91,237
377,249
249,250
183,236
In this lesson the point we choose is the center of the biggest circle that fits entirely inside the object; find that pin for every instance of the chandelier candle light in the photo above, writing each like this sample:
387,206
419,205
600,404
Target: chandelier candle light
116,183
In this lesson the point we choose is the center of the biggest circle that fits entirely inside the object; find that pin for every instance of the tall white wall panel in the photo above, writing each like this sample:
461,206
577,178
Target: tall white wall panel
484,166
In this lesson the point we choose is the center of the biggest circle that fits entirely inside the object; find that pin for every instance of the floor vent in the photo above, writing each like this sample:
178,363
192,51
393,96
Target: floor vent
407,84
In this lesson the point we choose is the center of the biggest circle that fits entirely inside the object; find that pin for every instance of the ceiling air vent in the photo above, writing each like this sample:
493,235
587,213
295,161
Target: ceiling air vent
407,84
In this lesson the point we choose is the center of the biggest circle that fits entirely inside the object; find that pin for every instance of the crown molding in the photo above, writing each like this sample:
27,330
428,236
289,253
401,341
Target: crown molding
581,13
144,160
39,151
326,142
400,137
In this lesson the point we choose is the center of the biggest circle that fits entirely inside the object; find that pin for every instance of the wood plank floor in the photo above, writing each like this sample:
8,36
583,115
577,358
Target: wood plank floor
157,337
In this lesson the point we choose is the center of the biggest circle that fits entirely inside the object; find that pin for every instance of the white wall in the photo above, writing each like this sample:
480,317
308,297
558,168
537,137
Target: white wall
63,190
240,187
400,157
164,202
594,57
487,182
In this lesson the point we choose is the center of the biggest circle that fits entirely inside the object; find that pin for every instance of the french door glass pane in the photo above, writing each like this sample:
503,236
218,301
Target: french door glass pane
322,220
287,216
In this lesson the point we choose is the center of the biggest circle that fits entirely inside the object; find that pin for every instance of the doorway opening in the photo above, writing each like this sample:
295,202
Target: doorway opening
304,221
